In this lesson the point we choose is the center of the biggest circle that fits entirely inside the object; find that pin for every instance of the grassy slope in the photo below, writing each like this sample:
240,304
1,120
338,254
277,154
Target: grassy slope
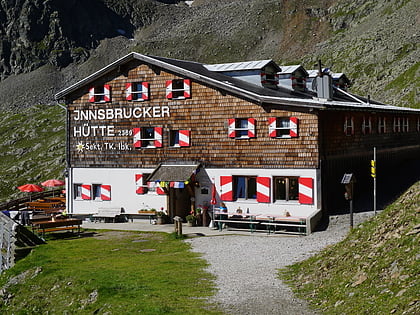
375,270
32,148
115,273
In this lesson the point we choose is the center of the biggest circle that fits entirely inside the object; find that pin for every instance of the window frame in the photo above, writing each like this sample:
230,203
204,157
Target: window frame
249,186
174,90
238,132
349,125
367,125
277,128
287,192
136,95
381,125
142,139
179,138
100,94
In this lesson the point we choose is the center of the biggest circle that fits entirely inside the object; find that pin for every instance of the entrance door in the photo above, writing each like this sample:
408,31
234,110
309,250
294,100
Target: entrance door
179,202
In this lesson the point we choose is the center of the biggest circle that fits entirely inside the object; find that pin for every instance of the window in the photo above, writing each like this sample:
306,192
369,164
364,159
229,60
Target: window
147,137
405,126
137,91
283,127
418,124
366,126
179,138
348,126
245,187
397,124
241,128
178,89
269,79
96,192
381,125
299,83
100,94
77,191
286,188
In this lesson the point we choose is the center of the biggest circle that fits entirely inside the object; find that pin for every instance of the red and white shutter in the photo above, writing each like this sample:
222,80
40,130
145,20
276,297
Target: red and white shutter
139,184
226,186
251,127
128,91
187,88
293,123
306,190
231,128
160,190
169,89
137,137
272,125
263,189
158,137
107,93
86,192
92,95
105,192
184,138
145,91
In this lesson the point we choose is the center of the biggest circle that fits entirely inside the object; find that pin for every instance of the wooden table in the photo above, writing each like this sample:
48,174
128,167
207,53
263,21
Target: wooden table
57,225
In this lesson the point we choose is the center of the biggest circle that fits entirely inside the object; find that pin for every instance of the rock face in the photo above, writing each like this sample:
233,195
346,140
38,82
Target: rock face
59,32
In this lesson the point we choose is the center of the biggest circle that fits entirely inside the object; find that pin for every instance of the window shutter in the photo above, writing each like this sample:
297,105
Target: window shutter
107,93
231,128
105,192
187,88
169,89
226,185
263,189
158,137
92,95
137,137
306,186
128,91
160,191
272,125
139,184
293,127
184,138
86,192
251,127
145,91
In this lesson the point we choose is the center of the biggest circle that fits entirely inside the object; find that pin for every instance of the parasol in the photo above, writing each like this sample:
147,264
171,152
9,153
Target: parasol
53,183
30,188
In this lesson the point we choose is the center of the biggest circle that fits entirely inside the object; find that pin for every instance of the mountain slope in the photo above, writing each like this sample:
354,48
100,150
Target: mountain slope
375,270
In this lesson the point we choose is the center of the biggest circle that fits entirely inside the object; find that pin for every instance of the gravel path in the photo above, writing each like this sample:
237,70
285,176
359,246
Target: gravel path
246,267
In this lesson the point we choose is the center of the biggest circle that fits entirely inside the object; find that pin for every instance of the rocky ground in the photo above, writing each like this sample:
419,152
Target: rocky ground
246,266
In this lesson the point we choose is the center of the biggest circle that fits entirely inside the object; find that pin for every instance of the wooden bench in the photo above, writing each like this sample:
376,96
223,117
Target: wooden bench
150,214
249,221
107,213
298,225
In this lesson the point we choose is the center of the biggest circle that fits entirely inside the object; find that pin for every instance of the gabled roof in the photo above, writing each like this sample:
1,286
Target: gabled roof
291,69
200,73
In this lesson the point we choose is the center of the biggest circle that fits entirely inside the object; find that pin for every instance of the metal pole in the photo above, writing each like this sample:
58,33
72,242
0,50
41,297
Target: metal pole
351,208
374,182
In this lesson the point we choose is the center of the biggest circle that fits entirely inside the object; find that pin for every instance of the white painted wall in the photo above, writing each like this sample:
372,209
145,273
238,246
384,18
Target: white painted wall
123,191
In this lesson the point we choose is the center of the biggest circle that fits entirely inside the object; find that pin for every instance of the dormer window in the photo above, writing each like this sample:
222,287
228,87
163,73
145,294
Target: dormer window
269,80
100,94
137,91
178,89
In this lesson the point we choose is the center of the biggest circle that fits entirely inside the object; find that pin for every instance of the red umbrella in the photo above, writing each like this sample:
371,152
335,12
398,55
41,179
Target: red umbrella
30,188
53,183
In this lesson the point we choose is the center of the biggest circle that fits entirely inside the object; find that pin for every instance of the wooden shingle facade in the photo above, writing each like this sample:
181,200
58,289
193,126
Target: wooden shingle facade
264,148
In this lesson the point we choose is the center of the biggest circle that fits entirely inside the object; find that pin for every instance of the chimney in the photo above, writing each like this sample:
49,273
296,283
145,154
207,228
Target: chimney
324,84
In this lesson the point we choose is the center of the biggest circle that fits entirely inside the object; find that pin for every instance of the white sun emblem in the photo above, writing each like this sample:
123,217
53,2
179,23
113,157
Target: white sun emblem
80,147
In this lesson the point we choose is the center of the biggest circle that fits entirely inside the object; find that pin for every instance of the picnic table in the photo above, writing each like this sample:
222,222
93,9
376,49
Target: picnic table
42,227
